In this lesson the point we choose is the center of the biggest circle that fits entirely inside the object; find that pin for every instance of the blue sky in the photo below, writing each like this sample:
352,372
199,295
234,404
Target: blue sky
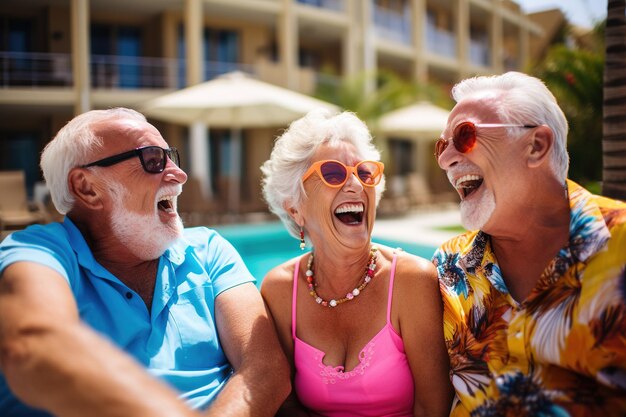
579,12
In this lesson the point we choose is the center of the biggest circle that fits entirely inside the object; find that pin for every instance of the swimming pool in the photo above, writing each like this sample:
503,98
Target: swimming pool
265,245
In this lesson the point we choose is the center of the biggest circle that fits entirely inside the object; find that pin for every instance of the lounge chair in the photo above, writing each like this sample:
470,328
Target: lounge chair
16,211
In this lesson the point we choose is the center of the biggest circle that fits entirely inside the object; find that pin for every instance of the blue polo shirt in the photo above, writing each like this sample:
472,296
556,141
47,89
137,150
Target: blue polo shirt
177,340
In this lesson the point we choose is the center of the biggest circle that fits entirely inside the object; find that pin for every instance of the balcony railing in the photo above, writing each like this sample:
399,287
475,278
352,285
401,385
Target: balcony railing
392,25
478,53
38,69
440,41
35,69
115,71
336,5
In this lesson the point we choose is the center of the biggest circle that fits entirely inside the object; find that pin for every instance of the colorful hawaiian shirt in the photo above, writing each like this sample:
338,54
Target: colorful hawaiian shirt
562,351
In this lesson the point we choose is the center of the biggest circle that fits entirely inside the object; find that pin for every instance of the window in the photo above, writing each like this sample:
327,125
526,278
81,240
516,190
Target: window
16,38
402,153
221,53
116,56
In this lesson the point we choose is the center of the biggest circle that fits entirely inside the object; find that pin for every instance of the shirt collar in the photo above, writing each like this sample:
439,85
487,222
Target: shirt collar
175,253
83,251
588,232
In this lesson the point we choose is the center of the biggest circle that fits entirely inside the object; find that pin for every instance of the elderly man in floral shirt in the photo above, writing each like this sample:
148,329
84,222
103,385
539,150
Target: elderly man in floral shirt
535,294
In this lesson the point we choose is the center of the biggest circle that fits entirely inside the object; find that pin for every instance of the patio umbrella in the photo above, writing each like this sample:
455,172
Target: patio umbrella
234,100
422,122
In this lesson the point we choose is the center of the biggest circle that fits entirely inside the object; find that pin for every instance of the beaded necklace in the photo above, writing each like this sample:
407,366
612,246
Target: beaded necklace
367,277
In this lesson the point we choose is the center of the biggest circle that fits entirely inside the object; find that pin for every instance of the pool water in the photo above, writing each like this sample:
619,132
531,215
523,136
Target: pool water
266,245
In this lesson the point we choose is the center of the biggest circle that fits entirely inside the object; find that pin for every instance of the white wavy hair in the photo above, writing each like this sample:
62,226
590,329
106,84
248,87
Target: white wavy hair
71,147
294,149
525,100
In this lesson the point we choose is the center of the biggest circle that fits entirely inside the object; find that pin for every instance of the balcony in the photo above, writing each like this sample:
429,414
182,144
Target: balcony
21,69
440,41
38,69
336,5
479,53
392,25
132,72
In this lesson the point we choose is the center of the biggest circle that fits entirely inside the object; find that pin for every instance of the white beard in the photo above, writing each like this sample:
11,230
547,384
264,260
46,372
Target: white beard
144,235
477,212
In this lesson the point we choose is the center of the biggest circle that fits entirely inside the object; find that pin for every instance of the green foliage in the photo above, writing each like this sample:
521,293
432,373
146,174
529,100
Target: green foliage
455,228
389,93
575,77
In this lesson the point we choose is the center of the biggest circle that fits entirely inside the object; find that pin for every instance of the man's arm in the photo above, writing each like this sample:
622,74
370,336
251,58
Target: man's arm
54,362
261,380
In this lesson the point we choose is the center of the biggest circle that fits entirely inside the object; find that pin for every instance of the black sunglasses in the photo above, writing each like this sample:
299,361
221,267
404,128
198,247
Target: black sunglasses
153,158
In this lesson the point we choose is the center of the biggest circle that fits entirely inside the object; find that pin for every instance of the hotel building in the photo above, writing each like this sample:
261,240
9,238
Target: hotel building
59,58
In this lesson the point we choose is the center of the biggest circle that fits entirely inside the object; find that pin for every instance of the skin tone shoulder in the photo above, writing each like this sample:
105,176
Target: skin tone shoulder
53,361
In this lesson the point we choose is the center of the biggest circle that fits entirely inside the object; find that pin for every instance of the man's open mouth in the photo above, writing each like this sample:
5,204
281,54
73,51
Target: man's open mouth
166,204
467,184
351,214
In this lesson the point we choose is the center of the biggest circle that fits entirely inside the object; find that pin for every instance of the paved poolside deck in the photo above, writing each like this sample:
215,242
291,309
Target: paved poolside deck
420,226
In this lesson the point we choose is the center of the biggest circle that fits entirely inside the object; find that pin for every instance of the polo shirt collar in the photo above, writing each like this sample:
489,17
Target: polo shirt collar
175,254
83,251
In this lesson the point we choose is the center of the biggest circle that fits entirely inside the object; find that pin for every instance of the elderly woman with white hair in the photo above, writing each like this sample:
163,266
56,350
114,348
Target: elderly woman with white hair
360,323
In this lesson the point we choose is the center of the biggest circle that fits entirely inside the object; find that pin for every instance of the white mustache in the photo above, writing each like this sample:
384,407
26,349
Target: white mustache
170,191
459,170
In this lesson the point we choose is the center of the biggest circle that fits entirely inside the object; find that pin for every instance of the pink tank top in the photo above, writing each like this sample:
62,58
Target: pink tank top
381,385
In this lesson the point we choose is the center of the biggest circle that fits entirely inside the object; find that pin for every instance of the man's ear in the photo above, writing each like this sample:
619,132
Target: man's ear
83,189
541,144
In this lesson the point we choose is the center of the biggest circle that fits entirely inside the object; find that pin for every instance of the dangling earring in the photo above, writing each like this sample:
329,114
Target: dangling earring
302,244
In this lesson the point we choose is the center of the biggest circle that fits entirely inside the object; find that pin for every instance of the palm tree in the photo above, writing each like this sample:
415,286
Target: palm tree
391,92
614,105
575,78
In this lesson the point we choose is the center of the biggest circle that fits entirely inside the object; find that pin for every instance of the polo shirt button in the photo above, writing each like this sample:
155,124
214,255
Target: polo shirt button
129,295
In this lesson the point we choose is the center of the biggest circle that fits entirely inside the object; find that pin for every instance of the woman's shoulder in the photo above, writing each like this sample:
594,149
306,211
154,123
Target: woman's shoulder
280,278
408,264
412,273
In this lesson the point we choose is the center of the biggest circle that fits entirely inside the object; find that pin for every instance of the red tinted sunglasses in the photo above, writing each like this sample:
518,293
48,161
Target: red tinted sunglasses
464,136
335,174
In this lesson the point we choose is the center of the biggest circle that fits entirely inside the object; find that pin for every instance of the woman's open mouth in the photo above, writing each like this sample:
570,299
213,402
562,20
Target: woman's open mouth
350,214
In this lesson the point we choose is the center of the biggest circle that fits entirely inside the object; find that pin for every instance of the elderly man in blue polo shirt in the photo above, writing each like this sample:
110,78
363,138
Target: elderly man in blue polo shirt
121,274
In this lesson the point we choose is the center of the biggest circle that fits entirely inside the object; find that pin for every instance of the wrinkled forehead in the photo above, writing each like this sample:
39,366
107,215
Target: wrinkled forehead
124,134
342,150
481,107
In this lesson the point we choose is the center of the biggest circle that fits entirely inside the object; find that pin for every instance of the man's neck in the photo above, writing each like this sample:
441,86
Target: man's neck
533,238
139,275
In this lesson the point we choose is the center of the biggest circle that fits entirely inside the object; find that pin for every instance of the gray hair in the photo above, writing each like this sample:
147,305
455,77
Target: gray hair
71,147
294,149
524,100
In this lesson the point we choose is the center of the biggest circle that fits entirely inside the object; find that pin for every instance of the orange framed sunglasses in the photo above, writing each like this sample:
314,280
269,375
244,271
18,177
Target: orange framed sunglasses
335,174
